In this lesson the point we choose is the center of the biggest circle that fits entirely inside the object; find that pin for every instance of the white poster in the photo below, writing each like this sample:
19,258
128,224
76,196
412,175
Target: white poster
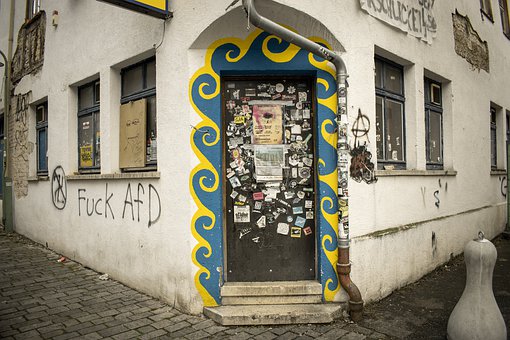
269,162
242,214
415,17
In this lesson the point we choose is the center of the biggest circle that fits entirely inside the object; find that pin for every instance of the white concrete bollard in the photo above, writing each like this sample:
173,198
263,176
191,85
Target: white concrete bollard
476,315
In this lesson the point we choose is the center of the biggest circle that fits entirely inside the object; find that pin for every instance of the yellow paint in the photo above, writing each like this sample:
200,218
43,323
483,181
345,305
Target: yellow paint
331,102
159,4
330,138
282,57
330,179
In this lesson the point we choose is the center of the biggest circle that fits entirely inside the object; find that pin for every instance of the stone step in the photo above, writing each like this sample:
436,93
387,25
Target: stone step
274,314
275,288
271,300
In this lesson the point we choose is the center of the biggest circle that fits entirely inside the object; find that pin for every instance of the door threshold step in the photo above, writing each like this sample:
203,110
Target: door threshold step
271,288
271,299
275,314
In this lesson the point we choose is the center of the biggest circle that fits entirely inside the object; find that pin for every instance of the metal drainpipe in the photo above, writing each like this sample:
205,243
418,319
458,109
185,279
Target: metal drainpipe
343,265
7,201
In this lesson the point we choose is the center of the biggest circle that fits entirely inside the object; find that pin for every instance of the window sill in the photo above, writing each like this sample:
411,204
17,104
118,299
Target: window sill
134,175
498,172
38,178
389,173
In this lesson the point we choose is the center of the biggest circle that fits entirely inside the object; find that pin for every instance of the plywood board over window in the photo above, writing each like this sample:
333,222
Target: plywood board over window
132,134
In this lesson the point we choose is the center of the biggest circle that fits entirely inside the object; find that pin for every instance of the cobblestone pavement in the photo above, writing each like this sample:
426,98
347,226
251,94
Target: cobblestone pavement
43,298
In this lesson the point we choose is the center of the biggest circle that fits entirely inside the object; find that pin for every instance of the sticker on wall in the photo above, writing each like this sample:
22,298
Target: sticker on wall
261,222
241,214
295,232
283,229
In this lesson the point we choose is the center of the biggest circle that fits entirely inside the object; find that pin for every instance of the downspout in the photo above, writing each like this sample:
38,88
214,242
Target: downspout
343,265
7,202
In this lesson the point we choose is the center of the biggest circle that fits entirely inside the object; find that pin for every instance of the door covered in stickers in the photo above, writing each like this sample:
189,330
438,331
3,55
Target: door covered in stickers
269,178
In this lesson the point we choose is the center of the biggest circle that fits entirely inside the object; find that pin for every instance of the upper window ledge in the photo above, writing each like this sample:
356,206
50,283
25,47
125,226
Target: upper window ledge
498,172
135,175
388,173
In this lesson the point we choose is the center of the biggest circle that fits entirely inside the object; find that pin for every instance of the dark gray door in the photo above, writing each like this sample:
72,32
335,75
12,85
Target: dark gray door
269,178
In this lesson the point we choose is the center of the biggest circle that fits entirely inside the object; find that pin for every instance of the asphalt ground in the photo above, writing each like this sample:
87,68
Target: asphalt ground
41,298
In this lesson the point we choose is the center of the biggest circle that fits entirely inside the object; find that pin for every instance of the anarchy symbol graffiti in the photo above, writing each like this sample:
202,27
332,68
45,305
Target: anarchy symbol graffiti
361,127
59,188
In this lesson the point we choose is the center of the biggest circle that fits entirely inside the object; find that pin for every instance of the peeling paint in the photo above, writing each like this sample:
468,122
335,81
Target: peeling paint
468,43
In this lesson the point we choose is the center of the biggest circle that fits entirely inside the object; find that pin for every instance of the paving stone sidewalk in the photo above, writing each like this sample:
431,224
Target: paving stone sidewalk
41,298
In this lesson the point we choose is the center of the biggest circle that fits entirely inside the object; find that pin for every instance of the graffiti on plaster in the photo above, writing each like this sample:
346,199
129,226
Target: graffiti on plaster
423,190
20,147
102,205
98,206
59,188
504,184
362,168
436,196
415,17
437,202
468,43
360,127
129,202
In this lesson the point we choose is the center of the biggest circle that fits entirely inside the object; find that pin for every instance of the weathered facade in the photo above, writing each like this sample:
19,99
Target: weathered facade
187,153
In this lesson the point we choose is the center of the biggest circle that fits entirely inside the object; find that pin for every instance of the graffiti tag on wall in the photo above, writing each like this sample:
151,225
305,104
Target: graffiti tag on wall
504,185
362,168
140,203
59,188
143,197
415,17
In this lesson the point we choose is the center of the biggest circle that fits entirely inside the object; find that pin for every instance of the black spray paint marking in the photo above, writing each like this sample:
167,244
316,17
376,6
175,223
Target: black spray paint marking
423,189
362,168
131,204
504,184
130,201
436,195
59,188
95,206
151,222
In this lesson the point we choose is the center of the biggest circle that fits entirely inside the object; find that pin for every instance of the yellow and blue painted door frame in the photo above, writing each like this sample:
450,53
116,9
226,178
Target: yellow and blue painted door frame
259,53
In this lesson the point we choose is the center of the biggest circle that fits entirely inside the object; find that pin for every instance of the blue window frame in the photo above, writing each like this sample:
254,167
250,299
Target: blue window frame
41,127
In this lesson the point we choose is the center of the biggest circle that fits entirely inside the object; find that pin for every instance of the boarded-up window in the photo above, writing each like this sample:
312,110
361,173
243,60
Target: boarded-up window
132,134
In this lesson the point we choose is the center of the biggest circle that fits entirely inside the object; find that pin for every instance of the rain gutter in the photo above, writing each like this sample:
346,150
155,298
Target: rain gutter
344,264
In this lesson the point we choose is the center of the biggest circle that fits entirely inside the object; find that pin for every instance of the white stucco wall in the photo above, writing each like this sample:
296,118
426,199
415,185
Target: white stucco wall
94,39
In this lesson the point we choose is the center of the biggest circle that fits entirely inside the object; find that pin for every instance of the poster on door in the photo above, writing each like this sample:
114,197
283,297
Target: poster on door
268,124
